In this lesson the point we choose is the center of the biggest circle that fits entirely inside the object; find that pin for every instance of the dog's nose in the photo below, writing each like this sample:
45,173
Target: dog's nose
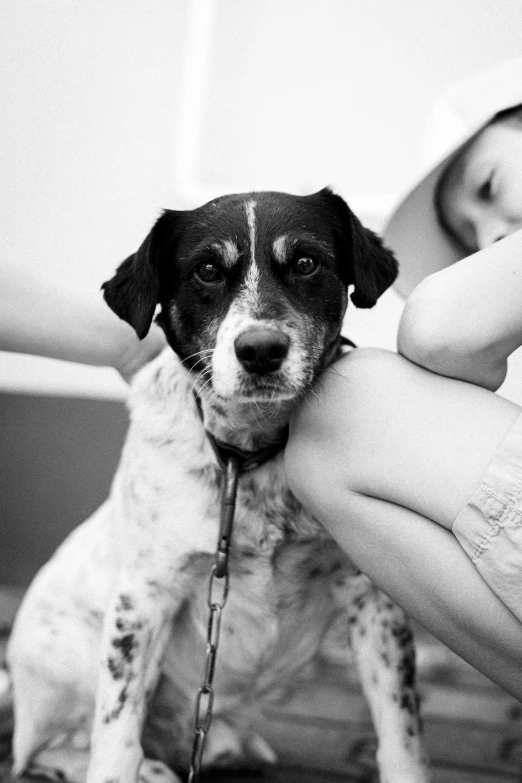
262,351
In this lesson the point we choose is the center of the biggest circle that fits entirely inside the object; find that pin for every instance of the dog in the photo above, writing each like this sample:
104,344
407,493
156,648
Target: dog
108,648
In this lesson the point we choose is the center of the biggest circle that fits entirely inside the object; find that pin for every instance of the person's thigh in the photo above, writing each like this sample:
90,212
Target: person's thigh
379,426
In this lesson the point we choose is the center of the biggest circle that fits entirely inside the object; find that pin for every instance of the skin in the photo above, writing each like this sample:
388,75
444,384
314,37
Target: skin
481,200
46,318
465,321
386,453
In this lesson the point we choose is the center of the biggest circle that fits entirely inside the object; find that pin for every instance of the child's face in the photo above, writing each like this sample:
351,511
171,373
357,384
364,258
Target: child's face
481,194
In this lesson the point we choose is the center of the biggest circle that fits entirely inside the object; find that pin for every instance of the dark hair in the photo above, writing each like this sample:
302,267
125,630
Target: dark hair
511,116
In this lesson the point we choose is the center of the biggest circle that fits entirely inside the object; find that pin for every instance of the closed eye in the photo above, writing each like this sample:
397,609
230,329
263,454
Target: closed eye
485,191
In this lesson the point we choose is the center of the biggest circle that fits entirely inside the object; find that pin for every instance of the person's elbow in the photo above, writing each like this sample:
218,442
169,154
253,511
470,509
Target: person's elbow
424,336
432,335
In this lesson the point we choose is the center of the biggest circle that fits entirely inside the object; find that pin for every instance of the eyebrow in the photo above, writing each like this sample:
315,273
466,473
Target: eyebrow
285,244
228,250
280,246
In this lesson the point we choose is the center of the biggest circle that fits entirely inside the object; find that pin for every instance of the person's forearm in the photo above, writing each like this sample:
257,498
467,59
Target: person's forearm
60,322
67,322
465,321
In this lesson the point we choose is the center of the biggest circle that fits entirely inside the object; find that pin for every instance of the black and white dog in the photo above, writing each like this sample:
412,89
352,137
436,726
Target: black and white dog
107,651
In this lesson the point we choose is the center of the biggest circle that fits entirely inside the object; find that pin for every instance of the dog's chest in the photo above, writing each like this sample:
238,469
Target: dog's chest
282,564
282,568
169,482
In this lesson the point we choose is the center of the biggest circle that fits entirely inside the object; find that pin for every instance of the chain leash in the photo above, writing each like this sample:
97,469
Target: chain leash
232,461
216,599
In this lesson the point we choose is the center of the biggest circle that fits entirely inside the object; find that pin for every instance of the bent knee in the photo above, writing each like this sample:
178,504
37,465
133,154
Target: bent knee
348,394
341,419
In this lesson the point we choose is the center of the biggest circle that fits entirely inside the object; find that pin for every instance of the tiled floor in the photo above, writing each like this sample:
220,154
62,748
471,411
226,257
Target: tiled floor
322,732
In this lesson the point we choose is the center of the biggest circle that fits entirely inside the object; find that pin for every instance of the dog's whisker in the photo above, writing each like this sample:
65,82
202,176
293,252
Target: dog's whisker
208,382
199,379
255,407
276,405
333,370
205,371
204,386
203,354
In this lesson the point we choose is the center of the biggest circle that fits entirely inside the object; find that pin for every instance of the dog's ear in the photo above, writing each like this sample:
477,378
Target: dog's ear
372,267
133,291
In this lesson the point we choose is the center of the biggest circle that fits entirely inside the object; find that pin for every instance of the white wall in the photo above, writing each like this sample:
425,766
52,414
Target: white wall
339,90
98,131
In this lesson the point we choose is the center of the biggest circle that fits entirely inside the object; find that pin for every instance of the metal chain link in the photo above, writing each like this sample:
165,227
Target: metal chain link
217,597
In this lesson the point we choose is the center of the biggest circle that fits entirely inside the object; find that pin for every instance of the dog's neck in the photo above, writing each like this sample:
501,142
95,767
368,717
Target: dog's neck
246,425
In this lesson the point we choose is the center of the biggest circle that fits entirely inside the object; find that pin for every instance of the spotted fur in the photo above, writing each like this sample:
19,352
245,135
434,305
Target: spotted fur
109,642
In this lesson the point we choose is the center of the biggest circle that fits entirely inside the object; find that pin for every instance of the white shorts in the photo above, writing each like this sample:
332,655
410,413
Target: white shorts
489,527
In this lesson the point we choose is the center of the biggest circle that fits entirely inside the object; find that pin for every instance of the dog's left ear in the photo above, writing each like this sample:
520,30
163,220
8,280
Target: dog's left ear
373,267
133,291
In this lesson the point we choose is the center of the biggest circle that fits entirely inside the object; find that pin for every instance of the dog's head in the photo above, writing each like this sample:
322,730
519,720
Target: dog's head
253,287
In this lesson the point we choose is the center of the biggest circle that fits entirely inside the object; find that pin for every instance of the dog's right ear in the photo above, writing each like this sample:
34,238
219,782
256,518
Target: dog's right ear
366,262
133,291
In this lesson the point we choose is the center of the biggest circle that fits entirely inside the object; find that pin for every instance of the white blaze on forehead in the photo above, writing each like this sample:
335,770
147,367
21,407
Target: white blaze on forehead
252,275
250,209
280,248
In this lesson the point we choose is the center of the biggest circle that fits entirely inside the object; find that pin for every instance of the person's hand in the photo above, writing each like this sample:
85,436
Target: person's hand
136,353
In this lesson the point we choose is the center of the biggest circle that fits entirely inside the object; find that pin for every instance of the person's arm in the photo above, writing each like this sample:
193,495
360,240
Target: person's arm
63,321
466,320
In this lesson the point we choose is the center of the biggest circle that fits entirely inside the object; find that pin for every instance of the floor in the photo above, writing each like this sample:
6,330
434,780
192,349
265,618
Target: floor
322,731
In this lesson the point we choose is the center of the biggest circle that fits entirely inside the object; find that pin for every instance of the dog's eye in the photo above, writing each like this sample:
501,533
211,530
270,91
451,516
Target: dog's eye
209,272
304,266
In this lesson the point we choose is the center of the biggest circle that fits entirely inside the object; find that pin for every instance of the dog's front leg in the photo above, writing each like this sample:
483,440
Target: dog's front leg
383,648
136,630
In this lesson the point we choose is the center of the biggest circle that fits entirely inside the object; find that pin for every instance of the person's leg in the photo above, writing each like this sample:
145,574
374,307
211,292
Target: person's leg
380,452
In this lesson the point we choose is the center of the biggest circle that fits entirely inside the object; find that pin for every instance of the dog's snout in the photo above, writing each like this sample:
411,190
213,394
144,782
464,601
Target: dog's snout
262,351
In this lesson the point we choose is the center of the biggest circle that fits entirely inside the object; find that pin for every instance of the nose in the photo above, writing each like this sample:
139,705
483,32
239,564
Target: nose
261,351
491,231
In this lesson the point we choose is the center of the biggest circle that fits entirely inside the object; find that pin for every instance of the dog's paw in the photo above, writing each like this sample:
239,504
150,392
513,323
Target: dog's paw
53,774
226,748
156,772
64,760
260,751
223,746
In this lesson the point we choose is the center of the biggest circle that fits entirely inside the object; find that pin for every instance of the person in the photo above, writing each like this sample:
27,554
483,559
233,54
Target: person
68,322
410,459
